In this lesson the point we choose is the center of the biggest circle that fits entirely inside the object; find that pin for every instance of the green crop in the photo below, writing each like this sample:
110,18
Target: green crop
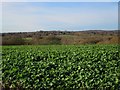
61,67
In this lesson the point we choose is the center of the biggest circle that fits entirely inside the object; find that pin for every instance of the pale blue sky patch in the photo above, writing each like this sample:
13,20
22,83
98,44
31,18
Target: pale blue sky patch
59,0
35,16
0,17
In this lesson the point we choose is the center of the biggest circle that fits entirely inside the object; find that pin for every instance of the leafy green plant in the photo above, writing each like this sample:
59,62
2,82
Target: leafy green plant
58,67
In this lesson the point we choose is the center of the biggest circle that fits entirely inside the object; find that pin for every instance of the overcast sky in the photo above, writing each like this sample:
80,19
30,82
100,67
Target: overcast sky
35,16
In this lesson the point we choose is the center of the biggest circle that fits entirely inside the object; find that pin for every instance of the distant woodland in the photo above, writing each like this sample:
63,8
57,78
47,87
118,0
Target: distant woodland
60,37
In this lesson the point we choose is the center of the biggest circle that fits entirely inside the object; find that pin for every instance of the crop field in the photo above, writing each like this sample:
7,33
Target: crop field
61,67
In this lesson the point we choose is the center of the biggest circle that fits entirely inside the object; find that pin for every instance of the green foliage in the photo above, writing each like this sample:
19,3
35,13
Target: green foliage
61,67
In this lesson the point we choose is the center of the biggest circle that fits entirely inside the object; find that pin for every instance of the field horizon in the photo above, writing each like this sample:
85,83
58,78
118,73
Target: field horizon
61,37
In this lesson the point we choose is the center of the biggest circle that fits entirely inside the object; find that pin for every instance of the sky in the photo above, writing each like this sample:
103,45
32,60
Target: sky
69,16
60,0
